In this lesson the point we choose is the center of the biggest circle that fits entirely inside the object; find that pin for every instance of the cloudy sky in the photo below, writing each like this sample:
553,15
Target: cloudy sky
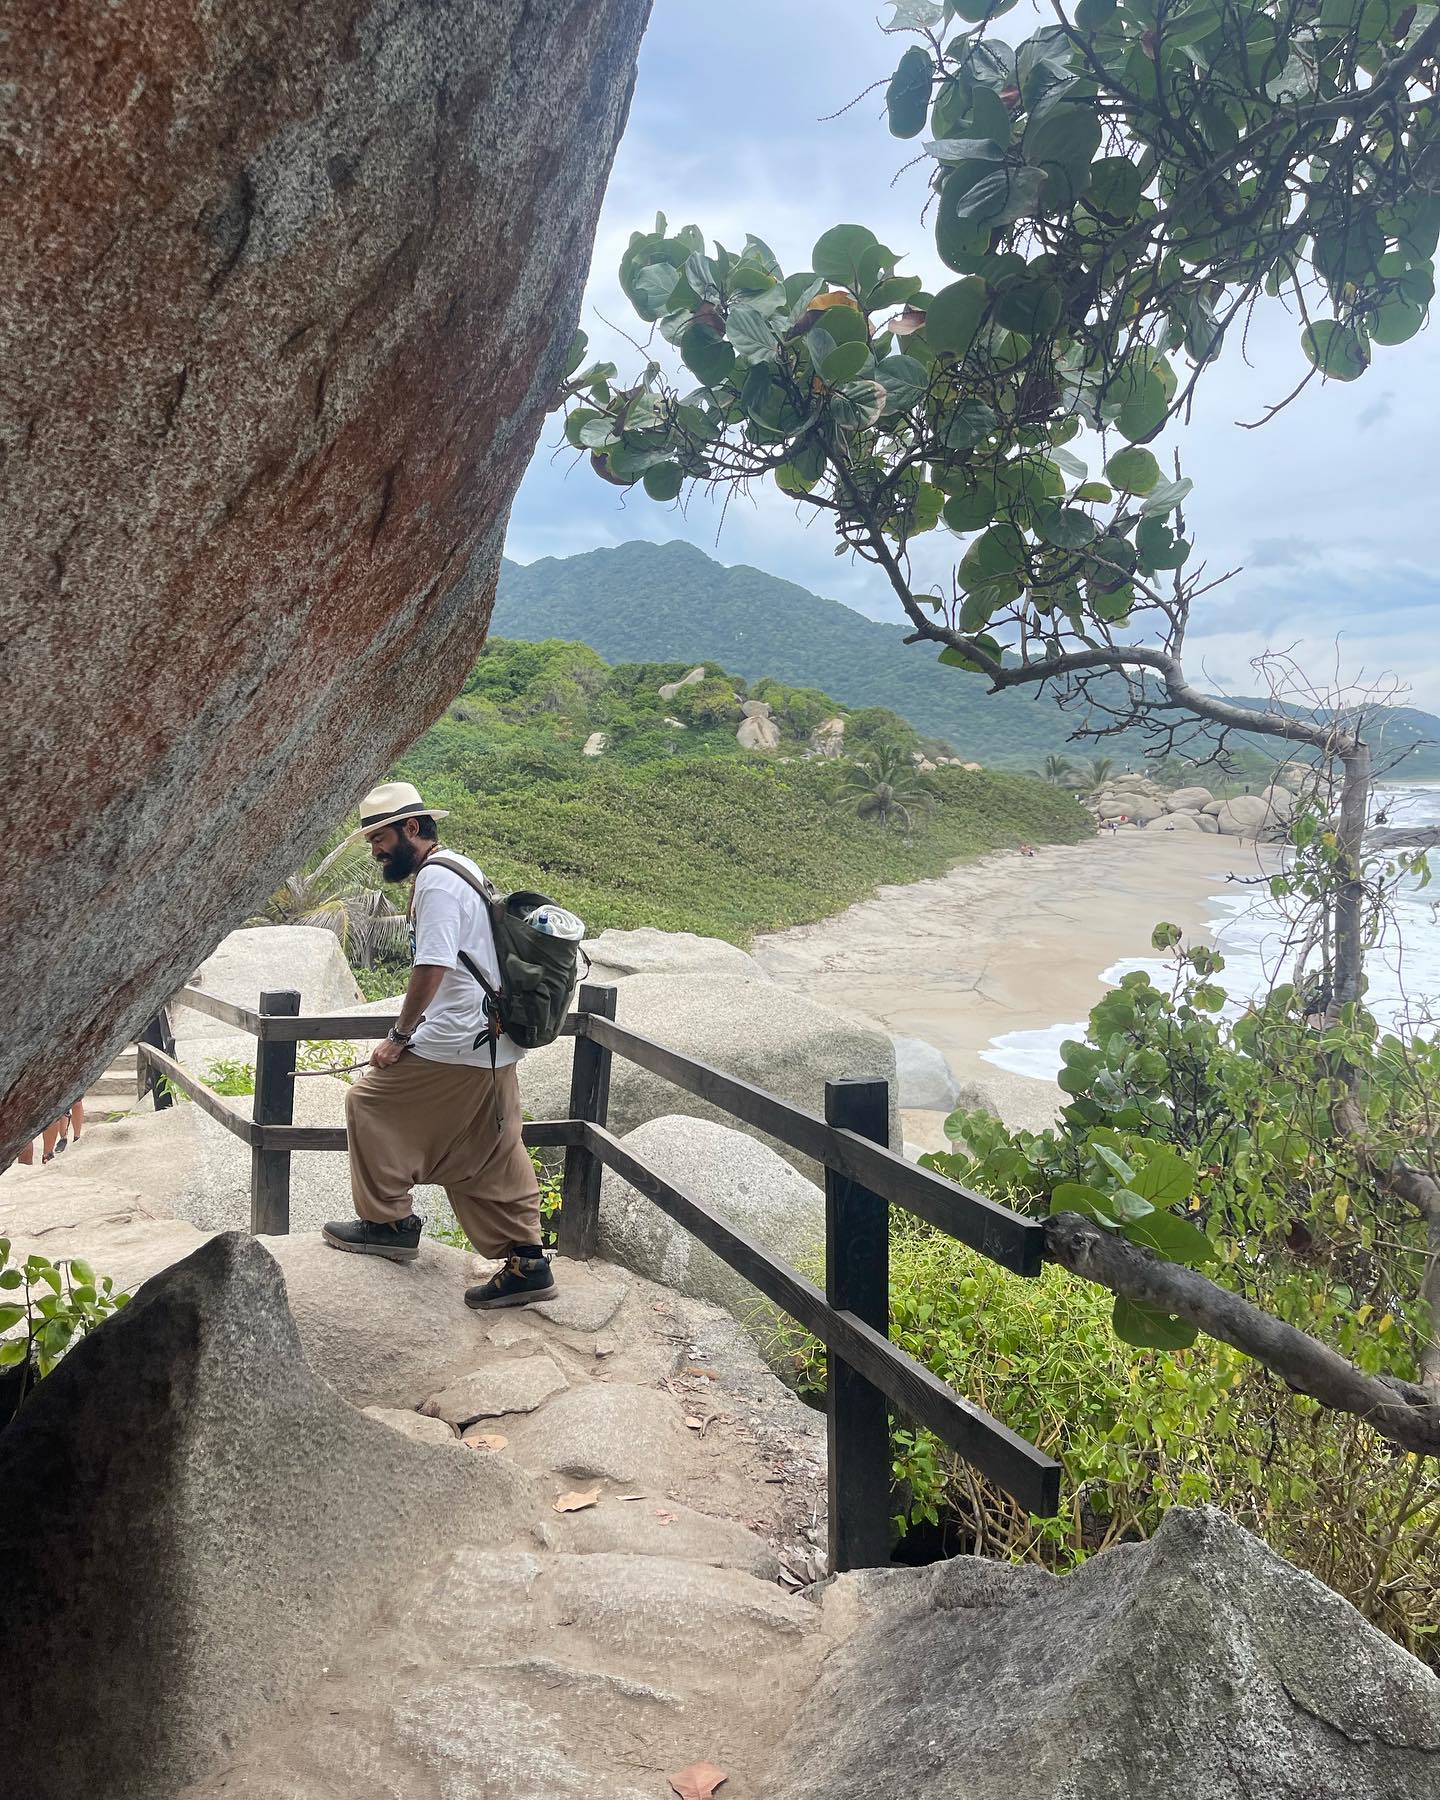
1328,509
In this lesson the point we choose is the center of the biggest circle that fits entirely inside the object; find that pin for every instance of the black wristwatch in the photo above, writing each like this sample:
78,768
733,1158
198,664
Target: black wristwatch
396,1036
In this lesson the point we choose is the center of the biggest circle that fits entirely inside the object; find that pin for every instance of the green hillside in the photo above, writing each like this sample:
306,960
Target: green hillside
674,825
671,602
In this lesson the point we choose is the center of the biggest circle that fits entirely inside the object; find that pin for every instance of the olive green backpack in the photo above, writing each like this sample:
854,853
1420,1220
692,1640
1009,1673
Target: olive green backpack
538,972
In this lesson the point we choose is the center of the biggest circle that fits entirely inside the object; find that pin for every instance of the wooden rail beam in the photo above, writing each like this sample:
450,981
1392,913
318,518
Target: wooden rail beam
999,1453
205,1098
1006,1237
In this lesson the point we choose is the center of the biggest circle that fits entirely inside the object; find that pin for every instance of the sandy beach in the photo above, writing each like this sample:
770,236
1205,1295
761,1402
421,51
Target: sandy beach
1008,943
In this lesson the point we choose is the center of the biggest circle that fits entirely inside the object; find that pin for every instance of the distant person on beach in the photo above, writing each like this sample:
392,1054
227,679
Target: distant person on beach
440,1102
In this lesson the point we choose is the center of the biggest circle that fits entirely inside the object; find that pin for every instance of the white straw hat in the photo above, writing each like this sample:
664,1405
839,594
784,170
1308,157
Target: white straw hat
391,804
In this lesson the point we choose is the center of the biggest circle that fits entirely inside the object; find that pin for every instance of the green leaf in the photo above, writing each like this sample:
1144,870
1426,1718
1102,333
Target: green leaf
10,1315
907,99
1079,1197
1174,1239
1095,491
750,331
905,379
971,510
844,255
956,659
963,427
1032,307
953,316
14,1351
1063,134
575,355
1115,189
1165,497
1000,197
1167,1178
1114,1162
1128,1206
1148,1329
1338,351
663,481
708,358
1144,413
844,363
1134,471
1396,322
10,1278
1067,527
857,405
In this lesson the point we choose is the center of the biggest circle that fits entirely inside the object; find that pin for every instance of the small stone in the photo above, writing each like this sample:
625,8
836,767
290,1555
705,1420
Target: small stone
517,1386
413,1425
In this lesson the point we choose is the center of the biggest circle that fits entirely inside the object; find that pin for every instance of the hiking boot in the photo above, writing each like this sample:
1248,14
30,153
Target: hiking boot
521,1280
398,1243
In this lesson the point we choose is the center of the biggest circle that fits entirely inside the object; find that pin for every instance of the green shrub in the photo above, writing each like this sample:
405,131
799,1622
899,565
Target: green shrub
45,1309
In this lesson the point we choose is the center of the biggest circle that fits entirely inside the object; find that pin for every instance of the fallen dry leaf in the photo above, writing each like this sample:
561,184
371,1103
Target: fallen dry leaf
577,1502
698,1374
665,1518
695,1424
698,1782
485,1440
624,1497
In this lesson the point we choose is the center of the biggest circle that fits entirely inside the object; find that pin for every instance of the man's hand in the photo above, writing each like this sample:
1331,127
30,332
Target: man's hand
386,1054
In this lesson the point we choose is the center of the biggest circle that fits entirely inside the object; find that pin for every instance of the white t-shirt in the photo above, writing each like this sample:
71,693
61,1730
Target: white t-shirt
448,917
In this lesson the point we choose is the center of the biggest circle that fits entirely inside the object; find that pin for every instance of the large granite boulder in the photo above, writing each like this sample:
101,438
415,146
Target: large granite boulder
758,734
263,959
754,1029
1188,799
924,1079
288,292
646,951
746,1182
194,1524
1199,1663
1246,816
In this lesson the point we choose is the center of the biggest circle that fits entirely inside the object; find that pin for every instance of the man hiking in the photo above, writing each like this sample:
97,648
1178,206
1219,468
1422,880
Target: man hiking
435,1104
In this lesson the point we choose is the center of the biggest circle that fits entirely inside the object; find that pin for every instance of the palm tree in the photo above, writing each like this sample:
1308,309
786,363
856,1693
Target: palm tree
885,785
1100,771
1056,768
340,891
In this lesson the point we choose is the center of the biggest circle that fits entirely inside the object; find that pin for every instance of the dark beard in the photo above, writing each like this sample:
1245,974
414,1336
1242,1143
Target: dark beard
402,862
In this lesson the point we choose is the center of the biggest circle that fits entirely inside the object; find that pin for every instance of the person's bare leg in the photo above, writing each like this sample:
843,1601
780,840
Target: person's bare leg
77,1120
49,1138
27,1155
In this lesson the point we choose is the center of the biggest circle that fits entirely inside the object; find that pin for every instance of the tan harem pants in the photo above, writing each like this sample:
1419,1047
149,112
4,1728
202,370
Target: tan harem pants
435,1121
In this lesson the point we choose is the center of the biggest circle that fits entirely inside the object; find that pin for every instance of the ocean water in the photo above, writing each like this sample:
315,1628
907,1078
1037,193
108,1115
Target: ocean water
1252,933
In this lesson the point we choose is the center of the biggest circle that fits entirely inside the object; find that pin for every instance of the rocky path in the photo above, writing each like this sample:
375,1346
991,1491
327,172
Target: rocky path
671,1506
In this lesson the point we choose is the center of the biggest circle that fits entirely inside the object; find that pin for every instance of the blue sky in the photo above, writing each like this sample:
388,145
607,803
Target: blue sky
1327,510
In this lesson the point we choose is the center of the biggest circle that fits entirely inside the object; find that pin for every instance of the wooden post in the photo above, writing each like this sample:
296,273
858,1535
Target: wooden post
579,1228
857,1280
274,1105
158,1033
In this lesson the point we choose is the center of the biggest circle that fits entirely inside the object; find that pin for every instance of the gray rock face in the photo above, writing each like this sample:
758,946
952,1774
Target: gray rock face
1176,821
1189,799
497,1388
646,951
754,1029
1196,1664
258,960
924,1079
731,1174
182,1501
758,733
691,679
288,292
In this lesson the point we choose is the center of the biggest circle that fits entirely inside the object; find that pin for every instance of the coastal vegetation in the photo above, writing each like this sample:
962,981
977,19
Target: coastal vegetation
673,824
1114,198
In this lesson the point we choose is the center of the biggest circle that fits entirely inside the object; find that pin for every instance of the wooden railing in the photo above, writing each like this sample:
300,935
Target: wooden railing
864,1178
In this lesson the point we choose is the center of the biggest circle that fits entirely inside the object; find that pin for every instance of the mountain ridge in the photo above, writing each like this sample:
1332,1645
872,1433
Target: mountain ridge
647,602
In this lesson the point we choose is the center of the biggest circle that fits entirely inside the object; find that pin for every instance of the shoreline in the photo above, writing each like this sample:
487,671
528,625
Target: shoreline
1007,943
